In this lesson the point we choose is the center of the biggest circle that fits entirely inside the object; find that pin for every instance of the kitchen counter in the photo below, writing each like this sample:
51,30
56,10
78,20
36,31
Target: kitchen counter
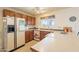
59,43
42,29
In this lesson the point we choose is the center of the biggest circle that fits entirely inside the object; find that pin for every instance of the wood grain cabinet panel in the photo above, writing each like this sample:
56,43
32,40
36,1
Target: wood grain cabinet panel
26,19
6,13
42,34
12,14
33,20
29,20
23,16
29,36
18,15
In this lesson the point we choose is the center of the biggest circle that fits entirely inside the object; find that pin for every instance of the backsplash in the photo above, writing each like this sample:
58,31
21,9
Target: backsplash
29,26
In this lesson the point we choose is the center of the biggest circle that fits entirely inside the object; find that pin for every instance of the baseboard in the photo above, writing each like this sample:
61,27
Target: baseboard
17,48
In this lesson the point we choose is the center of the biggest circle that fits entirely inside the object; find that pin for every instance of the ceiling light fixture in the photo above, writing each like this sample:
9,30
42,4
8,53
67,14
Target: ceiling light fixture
39,10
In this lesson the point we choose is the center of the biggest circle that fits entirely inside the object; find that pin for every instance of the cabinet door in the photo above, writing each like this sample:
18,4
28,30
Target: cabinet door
26,19
33,20
6,13
27,36
31,35
18,15
42,34
23,16
12,14
29,20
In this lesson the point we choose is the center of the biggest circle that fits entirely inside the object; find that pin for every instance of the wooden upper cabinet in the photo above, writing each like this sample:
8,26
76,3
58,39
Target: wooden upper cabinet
29,20
26,19
6,13
24,16
12,14
33,21
18,15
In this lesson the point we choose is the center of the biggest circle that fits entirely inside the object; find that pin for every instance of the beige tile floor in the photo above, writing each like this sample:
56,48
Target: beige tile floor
27,46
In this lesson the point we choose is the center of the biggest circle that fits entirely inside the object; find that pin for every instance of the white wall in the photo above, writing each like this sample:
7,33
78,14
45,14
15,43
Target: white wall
62,18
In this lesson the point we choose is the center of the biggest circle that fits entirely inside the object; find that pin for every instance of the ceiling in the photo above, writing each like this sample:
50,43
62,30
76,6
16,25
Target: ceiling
37,10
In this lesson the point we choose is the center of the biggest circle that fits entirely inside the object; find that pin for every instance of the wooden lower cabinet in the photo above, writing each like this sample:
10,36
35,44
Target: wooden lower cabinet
29,36
42,34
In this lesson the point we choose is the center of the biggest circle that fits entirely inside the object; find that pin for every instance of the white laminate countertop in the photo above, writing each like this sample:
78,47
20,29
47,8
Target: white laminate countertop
59,43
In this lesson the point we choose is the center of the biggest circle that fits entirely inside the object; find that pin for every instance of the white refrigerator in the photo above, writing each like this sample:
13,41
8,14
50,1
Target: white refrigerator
20,31
8,33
